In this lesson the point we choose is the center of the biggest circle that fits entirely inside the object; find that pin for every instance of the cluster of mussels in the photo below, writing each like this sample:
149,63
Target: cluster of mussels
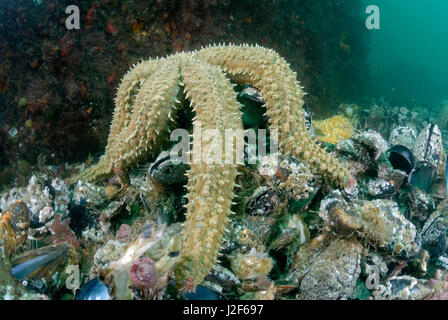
292,236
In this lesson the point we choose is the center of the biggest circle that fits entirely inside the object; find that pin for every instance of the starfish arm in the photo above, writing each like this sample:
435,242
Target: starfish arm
271,74
154,106
126,95
124,103
98,171
210,185
128,90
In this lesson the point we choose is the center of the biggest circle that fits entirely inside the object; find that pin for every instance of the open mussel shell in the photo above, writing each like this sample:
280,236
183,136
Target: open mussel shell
166,171
421,176
93,290
401,158
254,109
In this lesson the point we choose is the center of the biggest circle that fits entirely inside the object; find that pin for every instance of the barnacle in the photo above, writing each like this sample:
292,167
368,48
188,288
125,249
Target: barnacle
146,103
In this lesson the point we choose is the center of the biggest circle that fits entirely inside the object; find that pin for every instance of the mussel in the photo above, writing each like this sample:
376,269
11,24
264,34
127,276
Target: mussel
43,269
421,176
93,290
264,202
204,293
401,158
166,171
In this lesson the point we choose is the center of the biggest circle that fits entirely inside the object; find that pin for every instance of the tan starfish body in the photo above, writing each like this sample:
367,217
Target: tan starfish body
146,102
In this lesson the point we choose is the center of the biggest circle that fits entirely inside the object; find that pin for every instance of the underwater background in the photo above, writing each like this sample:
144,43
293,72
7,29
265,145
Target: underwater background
93,207
406,57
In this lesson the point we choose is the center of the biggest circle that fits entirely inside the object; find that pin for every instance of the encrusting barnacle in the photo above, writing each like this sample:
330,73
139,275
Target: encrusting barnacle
146,103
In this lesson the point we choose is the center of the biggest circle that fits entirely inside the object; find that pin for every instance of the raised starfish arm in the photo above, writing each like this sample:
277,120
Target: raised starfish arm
154,106
271,74
124,104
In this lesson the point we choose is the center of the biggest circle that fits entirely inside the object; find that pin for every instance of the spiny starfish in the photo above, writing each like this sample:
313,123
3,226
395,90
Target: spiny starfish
146,102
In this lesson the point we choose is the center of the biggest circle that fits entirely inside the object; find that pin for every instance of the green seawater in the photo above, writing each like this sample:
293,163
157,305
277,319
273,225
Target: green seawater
408,55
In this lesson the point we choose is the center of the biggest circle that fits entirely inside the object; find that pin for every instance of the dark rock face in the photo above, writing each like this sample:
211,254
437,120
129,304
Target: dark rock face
58,85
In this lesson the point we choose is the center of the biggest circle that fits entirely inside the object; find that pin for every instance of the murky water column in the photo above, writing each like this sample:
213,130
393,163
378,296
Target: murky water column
408,63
